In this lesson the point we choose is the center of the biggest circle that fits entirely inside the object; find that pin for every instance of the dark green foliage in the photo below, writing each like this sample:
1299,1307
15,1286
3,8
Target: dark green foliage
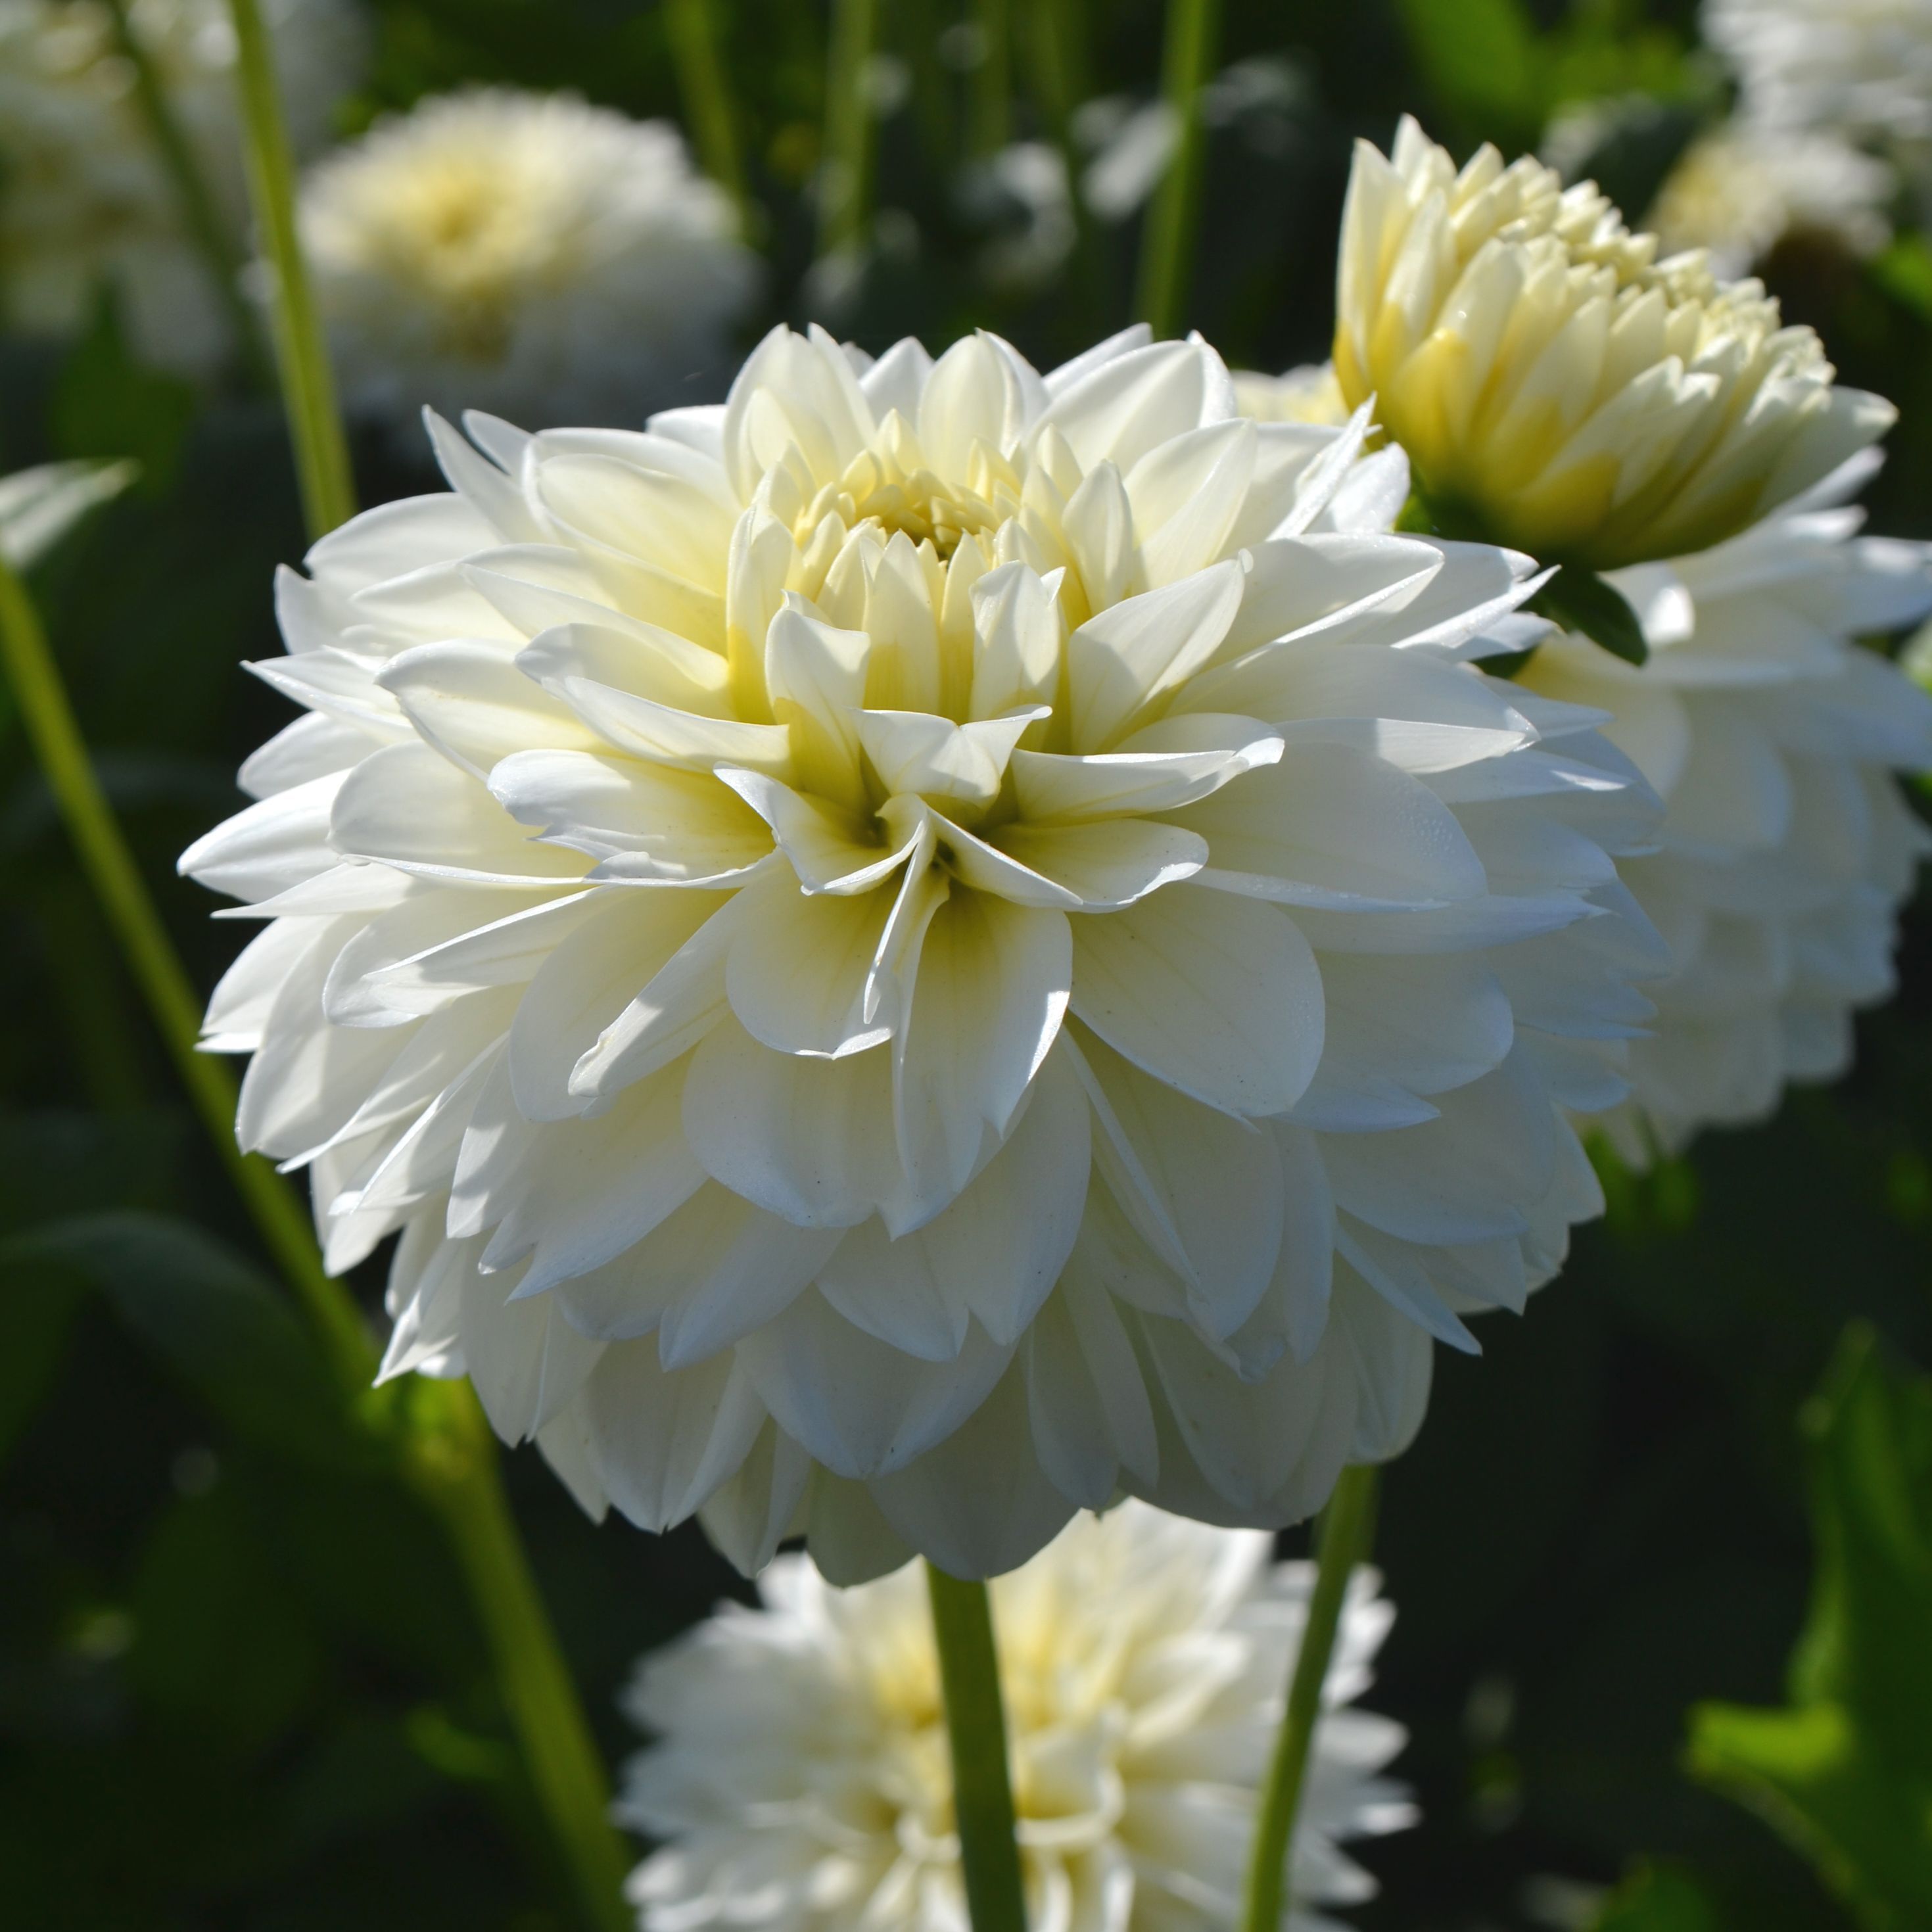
240,1690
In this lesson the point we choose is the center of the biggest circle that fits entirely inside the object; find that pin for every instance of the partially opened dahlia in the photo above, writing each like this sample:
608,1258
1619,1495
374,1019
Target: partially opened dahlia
799,1777
1787,846
1558,387
928,944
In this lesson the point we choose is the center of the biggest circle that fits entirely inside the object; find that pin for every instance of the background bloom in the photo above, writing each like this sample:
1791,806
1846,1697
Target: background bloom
84,198
1738,192
929,942
1860,69
1555,384
524,253
800,1776
1786,848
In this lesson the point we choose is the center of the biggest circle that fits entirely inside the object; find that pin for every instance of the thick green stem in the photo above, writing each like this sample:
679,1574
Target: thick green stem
452,1462
845,180
692,28
301,354
983,1800
1167,248
446,1449
163,981
1347,1529
992,79
200,210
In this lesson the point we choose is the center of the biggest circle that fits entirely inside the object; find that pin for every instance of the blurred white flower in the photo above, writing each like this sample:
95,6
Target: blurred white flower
800,1777
1554,385
1858,69
928,944
1737,193
1022,191
525,253
85,197
1131,145
1787,847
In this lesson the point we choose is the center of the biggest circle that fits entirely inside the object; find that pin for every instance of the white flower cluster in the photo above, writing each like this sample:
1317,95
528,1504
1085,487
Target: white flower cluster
1786,849
85,199
1772,735
525,254
930,944
800,1779
1834,113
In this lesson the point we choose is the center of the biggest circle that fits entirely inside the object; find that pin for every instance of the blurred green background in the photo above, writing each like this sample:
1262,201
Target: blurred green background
239,1687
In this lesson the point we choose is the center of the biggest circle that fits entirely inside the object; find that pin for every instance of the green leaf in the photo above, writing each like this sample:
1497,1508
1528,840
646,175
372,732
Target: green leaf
1846,1773
1657,1898
1484,61
213,1319
220,1643
39,506
105,403
41,1306
1580,600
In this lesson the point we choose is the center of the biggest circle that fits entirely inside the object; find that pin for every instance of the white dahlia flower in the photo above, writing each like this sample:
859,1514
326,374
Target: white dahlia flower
1860,69
928,944
1739,191
800,1777
1772,735
85,197
525,253
1556,387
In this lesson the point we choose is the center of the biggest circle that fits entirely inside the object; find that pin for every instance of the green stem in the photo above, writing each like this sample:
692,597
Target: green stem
164,981
448,1452
452,1462
1167,249
983,1805
302,355
1346,1530
992,79
220,251
846,183
692,28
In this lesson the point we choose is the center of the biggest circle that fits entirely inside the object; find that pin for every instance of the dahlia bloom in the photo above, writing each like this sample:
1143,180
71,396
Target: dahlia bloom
1738,192
1860,69
526,253
85,197
1555,386
800,1775
1786,848
928,944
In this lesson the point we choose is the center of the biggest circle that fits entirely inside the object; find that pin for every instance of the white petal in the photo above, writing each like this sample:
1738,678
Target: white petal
1218,996
1122,659
861,1408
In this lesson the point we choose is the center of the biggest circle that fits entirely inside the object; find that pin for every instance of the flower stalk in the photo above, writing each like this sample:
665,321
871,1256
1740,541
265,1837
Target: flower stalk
447,1454
220,253
992,120
969,1672
692,26
302,355
845,175
1347,1529
1167,248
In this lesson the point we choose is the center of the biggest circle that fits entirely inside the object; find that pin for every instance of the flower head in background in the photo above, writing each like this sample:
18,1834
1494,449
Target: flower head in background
1861,70
1554,384
1308,394
85,199
800,1777
523,253
1737,193
929,942
1786,848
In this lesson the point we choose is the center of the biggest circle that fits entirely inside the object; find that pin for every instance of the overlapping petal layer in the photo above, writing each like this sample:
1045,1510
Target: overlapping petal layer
1554,384
928,944
800,1777
1787,847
